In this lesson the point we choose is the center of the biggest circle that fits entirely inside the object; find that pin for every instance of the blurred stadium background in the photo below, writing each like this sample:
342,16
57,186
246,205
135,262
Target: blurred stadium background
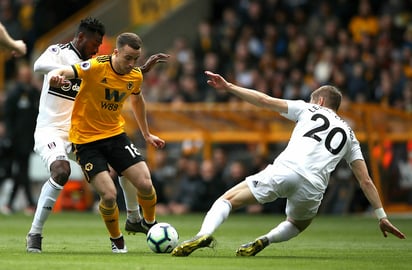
283,48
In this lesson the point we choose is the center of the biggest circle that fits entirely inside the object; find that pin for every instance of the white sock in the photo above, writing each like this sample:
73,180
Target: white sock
216,215
48,196
130,197
283,232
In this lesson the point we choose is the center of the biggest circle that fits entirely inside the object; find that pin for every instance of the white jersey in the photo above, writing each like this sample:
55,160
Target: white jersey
320,140
56,104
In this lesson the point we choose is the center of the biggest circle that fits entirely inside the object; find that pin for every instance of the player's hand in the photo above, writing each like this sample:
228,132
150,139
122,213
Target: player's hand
386,226
58,81
153,60
216,81
155,141
20,48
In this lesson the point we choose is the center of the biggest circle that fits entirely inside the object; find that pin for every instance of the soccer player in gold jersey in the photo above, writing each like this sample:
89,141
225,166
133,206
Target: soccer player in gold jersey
97,129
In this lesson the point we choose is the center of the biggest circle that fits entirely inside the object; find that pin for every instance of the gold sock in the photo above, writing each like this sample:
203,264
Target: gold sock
110,217
148,204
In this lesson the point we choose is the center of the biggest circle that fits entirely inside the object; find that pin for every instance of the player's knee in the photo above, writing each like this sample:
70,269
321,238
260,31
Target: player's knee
60,171
145,186
109,197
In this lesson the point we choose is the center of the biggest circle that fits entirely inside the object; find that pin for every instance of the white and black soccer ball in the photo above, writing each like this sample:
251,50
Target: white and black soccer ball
162,238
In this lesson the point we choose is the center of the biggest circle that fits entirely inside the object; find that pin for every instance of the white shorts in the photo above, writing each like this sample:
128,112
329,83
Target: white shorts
279,181
51,145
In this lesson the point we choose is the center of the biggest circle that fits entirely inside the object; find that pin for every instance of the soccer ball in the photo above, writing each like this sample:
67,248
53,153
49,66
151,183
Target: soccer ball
162,238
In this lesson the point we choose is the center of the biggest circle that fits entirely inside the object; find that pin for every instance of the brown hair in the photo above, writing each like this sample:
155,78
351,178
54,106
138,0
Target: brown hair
130,39
331,94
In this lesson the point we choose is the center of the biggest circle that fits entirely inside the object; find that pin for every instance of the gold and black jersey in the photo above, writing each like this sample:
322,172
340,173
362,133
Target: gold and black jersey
97,111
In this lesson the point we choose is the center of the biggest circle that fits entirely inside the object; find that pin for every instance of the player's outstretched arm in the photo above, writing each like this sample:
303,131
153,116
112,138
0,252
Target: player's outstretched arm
17,47
362,175
139,111
387,227
250,95
20,48
153,60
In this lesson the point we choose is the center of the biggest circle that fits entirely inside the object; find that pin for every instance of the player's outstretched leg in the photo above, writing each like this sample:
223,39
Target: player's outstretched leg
187,247
253,248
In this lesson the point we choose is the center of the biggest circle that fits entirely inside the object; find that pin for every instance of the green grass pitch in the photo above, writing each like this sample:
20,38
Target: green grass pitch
80,241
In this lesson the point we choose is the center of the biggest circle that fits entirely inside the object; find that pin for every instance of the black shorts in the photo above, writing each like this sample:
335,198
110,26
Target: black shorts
118,151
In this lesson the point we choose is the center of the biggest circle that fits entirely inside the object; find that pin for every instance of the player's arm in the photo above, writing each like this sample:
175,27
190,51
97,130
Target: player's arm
47,61
366,184
59,77
252,96
153,60
17,47
139,110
